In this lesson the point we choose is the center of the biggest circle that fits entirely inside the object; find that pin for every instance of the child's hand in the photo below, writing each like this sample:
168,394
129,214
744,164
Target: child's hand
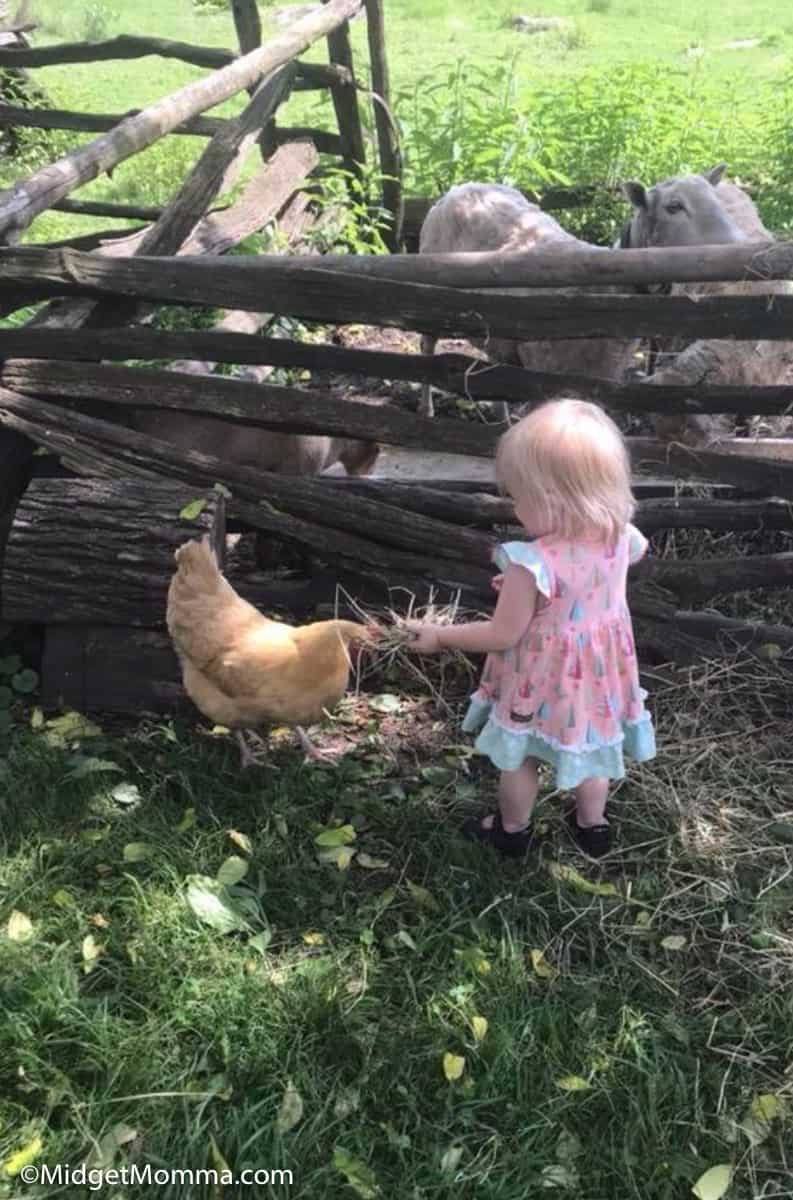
426,638
497,582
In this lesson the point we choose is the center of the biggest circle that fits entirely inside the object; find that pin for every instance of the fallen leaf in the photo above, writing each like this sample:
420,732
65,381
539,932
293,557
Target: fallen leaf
37,719
473,958
371,864
19,927
241,840
70,727
25,682
438,776
63,899
453,1066
573,1083
565,874
767,1107
714,1183
559,1176
261,941
359,1177
422,897
104,1153
339,835
386,703
91,766
314,939
23,1157
187,821
91,950
137,852
192,510
126,793
291,1111
770,651
341,856
542,968
218,1161
232,871
404,937
211,903
347,1102
100,922
479,1026
675,941
451,1159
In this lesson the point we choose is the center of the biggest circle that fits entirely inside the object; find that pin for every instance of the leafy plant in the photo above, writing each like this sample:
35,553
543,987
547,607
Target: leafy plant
349,221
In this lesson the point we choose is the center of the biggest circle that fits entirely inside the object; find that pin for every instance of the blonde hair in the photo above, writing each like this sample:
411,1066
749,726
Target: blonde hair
567,460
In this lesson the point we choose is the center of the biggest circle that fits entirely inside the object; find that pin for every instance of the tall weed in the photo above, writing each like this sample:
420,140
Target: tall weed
601,127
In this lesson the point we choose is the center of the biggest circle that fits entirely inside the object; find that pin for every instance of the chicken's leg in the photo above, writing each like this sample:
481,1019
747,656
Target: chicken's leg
249,757
312,752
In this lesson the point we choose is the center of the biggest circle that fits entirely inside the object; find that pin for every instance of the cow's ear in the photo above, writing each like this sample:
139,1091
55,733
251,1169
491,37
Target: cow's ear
636,193
714,175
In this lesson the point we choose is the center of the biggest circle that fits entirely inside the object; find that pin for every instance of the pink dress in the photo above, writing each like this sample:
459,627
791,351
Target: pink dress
569,692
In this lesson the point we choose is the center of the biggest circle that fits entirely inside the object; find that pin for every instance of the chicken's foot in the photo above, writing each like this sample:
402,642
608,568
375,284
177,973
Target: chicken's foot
248,756
312,752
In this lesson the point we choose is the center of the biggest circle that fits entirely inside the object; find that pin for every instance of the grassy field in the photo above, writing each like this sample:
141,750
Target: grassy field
188,978
636,88
617,1033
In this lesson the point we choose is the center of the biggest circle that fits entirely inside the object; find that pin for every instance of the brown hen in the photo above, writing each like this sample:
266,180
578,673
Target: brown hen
242,669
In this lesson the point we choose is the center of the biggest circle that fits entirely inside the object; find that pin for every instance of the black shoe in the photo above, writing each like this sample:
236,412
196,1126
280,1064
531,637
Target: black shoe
511,845
594,840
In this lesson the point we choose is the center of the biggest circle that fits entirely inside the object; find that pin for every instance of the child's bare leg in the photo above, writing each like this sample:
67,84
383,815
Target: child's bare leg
517,793
590,799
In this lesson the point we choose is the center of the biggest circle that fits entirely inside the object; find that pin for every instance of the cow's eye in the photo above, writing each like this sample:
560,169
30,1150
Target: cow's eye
674,206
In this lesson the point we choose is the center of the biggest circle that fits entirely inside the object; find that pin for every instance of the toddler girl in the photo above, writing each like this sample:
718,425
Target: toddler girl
561,681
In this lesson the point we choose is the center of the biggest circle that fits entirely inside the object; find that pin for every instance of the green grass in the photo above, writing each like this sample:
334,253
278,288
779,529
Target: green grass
361,983
615,93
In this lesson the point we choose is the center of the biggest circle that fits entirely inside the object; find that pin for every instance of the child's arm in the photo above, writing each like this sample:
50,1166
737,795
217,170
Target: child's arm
514,610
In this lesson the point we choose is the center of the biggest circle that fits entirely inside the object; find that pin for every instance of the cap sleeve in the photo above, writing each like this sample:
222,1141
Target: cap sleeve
637,544
528,555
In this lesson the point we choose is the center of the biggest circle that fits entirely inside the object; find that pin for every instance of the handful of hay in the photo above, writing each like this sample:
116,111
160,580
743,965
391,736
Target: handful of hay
393,646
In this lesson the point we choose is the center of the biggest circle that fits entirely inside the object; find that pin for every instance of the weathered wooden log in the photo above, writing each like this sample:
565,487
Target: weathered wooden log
203,184
325,142
106,208
262,199
323,294
693,581
385,126
95,241
296,506
20,204
111,669
345,99
265,406
596,266
125,46
294,221
766,477
456,372
725,516
128,46
13,116
247,23
482,511
87,550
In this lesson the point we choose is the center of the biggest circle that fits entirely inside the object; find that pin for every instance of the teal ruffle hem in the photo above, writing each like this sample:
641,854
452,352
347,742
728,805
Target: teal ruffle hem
508,749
